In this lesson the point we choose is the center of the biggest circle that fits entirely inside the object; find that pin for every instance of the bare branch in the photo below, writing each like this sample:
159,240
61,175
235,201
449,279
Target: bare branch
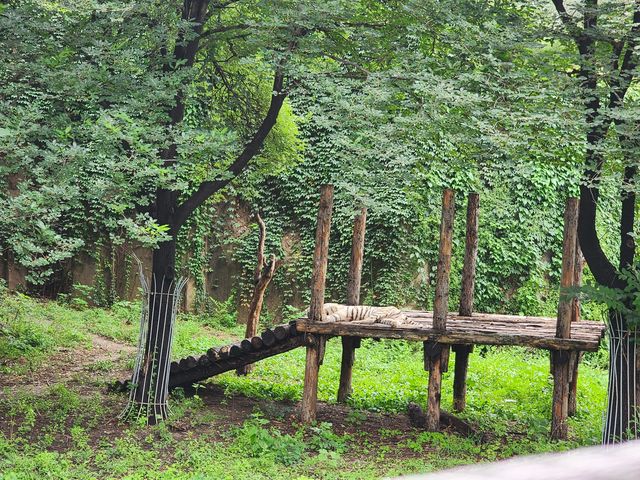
567,20
262,235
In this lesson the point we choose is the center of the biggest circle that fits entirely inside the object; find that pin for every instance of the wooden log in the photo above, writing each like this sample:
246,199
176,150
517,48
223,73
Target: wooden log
353,298
345,388
268,337
470,257
453,323
199,373
466,301
575,317
292,329
560,360
188,362
440,303
440,310
460,376
560,402
357,257
281,332
565,305
257,343
434,393
315,350
246,347
311,371
577,280
426,315
449,337
321,253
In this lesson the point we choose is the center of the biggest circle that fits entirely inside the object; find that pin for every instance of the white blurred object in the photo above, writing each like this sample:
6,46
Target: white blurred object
618,462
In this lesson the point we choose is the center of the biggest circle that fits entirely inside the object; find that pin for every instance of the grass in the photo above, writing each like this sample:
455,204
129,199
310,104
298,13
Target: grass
241,426
509,389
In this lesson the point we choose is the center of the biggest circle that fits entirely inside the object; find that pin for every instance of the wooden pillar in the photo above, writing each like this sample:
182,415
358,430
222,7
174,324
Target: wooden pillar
575,316
349,344
436,355
315,343
466,301
561,359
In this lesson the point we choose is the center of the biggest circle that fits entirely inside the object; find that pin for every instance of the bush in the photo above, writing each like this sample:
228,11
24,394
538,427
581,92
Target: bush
258,441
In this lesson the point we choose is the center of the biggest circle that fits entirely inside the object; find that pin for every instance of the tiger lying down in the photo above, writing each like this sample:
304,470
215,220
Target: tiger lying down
334,312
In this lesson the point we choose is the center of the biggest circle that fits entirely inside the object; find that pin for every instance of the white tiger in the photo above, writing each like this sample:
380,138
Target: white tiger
334,312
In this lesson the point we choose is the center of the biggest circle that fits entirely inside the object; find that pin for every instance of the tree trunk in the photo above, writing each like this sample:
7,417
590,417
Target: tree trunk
262,277
151,393
162,300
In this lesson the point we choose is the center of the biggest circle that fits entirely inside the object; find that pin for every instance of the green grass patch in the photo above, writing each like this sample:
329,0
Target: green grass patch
53,433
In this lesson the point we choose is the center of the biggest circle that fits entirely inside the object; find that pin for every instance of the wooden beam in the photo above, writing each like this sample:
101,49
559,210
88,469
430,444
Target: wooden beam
575,316
466,301
311,371
440,310
470,257
353,298
561,360
441,301
199,372
315,346
321,253
357,258
449,337
570,236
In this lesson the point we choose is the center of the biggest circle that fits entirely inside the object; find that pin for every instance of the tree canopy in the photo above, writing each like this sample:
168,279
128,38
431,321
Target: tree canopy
146,122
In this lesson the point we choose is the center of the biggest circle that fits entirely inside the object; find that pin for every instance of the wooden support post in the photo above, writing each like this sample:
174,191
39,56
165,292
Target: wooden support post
466,301
349,344
560,360
315,345
575,316
440,311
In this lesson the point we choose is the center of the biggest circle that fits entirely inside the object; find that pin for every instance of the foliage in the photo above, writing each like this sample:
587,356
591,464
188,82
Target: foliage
257,441
452,94
85,122
620,301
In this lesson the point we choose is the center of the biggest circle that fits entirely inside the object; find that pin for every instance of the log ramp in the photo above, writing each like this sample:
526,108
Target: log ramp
443,332
194,369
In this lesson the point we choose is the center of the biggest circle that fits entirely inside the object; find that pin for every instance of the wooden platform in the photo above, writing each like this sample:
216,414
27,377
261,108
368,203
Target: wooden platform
479,329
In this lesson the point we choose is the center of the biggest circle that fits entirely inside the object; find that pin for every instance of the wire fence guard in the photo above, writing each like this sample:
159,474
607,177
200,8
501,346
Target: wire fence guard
149,388
621,421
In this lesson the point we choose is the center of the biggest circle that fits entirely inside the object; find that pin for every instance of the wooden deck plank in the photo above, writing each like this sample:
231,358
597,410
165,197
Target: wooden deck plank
484,329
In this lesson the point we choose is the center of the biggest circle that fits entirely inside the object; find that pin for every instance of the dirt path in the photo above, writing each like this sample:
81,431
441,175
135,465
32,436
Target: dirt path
103,361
